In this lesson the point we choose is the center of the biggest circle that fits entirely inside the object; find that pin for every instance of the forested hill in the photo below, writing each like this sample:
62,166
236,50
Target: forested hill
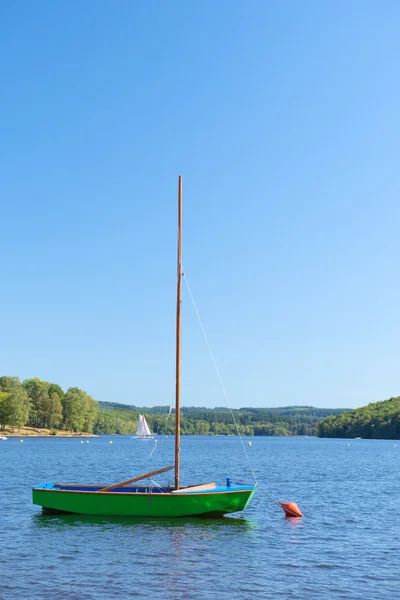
376,420
260,412
36,403
288,420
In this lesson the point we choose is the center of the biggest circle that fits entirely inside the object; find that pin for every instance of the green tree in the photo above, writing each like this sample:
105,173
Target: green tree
16,405
202,427
89,411
72,410
5,414
38,392
79,410
56,389
52,408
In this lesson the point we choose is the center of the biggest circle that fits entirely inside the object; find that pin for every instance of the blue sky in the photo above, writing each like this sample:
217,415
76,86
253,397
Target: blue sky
283,119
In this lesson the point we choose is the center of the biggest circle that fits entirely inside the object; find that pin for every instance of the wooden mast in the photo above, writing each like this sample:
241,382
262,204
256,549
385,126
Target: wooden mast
178,343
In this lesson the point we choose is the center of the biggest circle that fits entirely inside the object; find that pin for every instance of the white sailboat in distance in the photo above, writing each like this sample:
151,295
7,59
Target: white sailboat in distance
143,430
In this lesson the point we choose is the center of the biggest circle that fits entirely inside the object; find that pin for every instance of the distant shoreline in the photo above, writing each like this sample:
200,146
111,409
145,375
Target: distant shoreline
43,432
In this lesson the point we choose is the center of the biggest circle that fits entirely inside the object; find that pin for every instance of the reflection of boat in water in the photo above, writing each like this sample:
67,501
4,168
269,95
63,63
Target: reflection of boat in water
63,519
153,500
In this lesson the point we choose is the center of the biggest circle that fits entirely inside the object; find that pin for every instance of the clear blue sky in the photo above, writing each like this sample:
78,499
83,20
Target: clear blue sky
282,117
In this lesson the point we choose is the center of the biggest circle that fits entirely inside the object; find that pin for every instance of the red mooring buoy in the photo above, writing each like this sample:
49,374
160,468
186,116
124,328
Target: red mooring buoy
290,509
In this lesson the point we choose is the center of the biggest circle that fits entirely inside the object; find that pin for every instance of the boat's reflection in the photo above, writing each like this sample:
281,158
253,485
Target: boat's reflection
171,543
62,521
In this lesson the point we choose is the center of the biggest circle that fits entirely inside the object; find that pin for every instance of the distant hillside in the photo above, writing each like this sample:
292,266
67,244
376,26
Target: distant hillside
376,420
287,420
41,404
156,410
195,410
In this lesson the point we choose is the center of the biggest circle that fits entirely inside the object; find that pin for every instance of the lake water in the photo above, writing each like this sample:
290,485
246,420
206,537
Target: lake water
347,545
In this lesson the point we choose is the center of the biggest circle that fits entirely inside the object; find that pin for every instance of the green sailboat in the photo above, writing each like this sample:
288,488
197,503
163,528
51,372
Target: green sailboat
128,499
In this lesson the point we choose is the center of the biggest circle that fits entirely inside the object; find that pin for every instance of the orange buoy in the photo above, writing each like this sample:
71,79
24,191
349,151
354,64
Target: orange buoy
290,509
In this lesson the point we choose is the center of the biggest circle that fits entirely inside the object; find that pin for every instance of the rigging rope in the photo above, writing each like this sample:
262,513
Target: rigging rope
163,438
154,447
218,374
290,508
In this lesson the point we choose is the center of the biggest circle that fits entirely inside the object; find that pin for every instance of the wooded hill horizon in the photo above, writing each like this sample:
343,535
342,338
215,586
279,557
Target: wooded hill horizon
275,421
377,420
38,403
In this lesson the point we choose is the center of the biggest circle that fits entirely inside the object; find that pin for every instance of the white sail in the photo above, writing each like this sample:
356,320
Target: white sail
143,430
146,427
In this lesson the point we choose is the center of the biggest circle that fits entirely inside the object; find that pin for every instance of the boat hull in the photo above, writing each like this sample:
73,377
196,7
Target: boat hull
213,503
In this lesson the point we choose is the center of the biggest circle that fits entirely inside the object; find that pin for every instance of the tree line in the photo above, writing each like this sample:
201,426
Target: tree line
289,420
378,420
39,403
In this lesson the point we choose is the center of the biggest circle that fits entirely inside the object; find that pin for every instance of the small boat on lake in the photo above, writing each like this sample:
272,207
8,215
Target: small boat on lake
153,500
143,430
3,437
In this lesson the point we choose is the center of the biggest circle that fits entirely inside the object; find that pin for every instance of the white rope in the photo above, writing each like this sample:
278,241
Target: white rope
154,447
155,484
162,439
218,375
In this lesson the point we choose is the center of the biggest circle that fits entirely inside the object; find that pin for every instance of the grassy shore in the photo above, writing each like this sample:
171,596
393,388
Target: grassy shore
42,432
